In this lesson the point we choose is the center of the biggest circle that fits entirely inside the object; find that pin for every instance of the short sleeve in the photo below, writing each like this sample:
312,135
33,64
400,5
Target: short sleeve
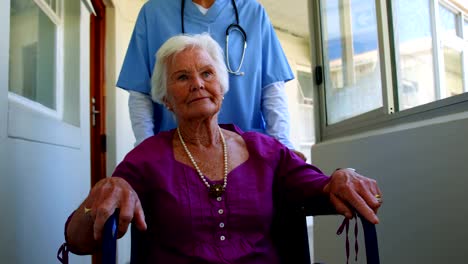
135,74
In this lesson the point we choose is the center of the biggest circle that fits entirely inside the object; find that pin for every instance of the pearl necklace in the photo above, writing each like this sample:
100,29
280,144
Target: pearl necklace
215,190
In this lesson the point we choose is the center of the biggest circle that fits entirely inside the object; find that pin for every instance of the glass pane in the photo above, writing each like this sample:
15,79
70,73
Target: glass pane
448,21
71,87
453,72
415,53
352,72
32,53
452,47
465,29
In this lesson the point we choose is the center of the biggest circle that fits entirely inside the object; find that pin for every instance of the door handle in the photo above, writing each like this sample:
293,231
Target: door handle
94,112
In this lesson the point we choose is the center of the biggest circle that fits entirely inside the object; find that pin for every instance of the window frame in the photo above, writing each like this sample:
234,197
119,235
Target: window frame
56,18
389,114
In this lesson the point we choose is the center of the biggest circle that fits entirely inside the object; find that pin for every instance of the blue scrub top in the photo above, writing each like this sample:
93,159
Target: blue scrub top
264,63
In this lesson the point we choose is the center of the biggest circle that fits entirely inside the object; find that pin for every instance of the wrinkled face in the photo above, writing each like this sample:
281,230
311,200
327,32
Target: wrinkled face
193,89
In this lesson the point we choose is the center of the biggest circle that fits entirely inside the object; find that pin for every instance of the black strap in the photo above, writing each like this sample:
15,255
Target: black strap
62,254
370,240
372,247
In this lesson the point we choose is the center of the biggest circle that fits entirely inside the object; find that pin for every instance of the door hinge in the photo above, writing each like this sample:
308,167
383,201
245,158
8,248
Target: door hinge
103,143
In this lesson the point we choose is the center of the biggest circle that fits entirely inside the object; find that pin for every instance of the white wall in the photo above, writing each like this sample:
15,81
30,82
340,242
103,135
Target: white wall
125,15
7,225
40,183
298,53
121,17
120,22
421,169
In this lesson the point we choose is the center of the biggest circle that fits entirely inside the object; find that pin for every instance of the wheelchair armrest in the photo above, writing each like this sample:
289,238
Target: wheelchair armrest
318,205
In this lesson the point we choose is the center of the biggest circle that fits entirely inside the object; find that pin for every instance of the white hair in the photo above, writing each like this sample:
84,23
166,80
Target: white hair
177,44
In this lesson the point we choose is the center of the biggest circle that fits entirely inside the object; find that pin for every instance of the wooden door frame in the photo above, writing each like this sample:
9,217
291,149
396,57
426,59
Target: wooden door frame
97,97
97,92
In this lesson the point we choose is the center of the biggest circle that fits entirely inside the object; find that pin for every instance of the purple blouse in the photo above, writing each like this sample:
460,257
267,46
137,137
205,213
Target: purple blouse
186,225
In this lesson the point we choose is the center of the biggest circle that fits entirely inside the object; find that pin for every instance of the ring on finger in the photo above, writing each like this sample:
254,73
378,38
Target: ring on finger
87,210
378,197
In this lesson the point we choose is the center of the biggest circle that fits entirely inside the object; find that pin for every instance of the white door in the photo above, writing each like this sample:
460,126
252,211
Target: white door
44,125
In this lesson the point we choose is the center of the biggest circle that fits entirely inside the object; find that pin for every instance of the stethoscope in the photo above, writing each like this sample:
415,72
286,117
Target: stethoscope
231,27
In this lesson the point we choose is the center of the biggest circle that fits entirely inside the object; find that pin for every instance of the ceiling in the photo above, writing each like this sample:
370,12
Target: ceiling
288,15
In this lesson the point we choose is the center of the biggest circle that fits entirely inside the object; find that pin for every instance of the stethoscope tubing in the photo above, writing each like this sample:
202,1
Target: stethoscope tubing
228,65
234,26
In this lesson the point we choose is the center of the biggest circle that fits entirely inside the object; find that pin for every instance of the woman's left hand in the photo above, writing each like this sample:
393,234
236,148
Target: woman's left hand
349,191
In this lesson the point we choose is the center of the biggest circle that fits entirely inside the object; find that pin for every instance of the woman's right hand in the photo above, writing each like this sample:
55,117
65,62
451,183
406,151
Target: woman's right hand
87,222
106,196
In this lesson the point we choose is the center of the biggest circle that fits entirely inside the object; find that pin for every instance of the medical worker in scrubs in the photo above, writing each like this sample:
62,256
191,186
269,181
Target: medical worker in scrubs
257,64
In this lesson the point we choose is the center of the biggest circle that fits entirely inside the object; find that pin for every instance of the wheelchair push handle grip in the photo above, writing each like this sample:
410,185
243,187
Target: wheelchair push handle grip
109,239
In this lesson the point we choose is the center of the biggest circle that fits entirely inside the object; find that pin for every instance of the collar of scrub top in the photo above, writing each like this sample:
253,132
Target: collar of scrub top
234,26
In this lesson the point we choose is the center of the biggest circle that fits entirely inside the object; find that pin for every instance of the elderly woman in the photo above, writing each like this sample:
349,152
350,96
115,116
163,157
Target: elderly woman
203,192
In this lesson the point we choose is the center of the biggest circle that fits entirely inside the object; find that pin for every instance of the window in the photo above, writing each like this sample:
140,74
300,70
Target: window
351,58
452,48
33,42
45,73
388,59
44,57
430,58
416,84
